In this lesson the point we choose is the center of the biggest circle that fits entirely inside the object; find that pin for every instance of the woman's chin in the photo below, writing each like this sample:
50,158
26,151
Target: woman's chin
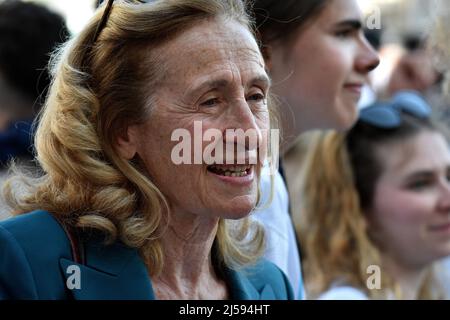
239,208
345,120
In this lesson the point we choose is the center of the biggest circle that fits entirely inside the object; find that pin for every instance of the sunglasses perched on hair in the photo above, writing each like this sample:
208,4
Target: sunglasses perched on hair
387,114
106,14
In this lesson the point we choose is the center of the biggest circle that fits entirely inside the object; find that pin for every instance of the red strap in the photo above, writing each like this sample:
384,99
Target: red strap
76,244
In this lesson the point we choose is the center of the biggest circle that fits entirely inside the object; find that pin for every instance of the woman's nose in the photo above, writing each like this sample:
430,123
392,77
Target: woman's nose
243,116
367,59
445,197
243,123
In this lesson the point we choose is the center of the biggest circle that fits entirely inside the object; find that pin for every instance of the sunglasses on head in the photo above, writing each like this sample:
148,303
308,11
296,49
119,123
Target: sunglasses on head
106,14
387,114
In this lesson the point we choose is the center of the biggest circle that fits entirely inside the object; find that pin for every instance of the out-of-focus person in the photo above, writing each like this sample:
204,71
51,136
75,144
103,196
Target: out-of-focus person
376,205
414,70
28,34
319,59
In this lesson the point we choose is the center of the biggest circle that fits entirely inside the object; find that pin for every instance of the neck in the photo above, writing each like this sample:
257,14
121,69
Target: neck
410,278
188,271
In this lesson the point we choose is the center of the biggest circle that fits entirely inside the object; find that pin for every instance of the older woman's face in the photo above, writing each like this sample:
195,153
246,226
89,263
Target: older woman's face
214,76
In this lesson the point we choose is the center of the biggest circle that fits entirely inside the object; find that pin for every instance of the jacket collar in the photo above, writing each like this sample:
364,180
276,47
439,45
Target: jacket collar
117,272
242,288
114,272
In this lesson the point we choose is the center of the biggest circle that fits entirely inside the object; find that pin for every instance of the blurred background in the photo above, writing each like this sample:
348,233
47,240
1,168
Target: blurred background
76,12
400,25
398,16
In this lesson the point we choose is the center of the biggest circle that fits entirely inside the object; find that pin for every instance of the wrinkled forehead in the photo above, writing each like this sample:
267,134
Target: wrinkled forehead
209,46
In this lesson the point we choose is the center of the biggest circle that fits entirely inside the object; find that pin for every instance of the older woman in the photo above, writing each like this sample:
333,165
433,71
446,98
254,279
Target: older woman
113,213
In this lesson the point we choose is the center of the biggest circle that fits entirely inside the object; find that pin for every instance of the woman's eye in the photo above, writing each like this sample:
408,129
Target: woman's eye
419,184
210,102
257,97
345,33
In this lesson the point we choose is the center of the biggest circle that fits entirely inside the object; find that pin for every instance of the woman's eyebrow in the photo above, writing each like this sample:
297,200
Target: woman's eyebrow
262,79
355,24
222,82
423,173
208,84
427,172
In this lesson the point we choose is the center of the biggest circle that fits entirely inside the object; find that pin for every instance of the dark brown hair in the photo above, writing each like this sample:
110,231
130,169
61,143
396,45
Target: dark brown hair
280,20
361,142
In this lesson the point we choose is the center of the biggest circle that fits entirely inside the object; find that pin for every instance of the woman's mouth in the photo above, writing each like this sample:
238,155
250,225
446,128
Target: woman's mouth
354,87
230,170
237,174
444,227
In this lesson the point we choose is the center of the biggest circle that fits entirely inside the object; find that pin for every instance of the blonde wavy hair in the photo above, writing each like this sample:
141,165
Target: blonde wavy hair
339,176
99,88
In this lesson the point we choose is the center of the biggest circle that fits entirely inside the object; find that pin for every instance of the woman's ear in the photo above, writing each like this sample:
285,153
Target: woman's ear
127,142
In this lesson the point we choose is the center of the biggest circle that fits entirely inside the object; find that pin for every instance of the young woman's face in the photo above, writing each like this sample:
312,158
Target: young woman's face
319,75
410,218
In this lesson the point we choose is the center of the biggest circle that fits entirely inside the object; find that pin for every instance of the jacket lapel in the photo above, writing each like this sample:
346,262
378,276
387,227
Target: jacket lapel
243,289
117,272
114,272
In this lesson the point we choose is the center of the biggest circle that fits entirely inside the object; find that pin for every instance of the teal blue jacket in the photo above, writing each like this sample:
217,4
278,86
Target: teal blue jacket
36,263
